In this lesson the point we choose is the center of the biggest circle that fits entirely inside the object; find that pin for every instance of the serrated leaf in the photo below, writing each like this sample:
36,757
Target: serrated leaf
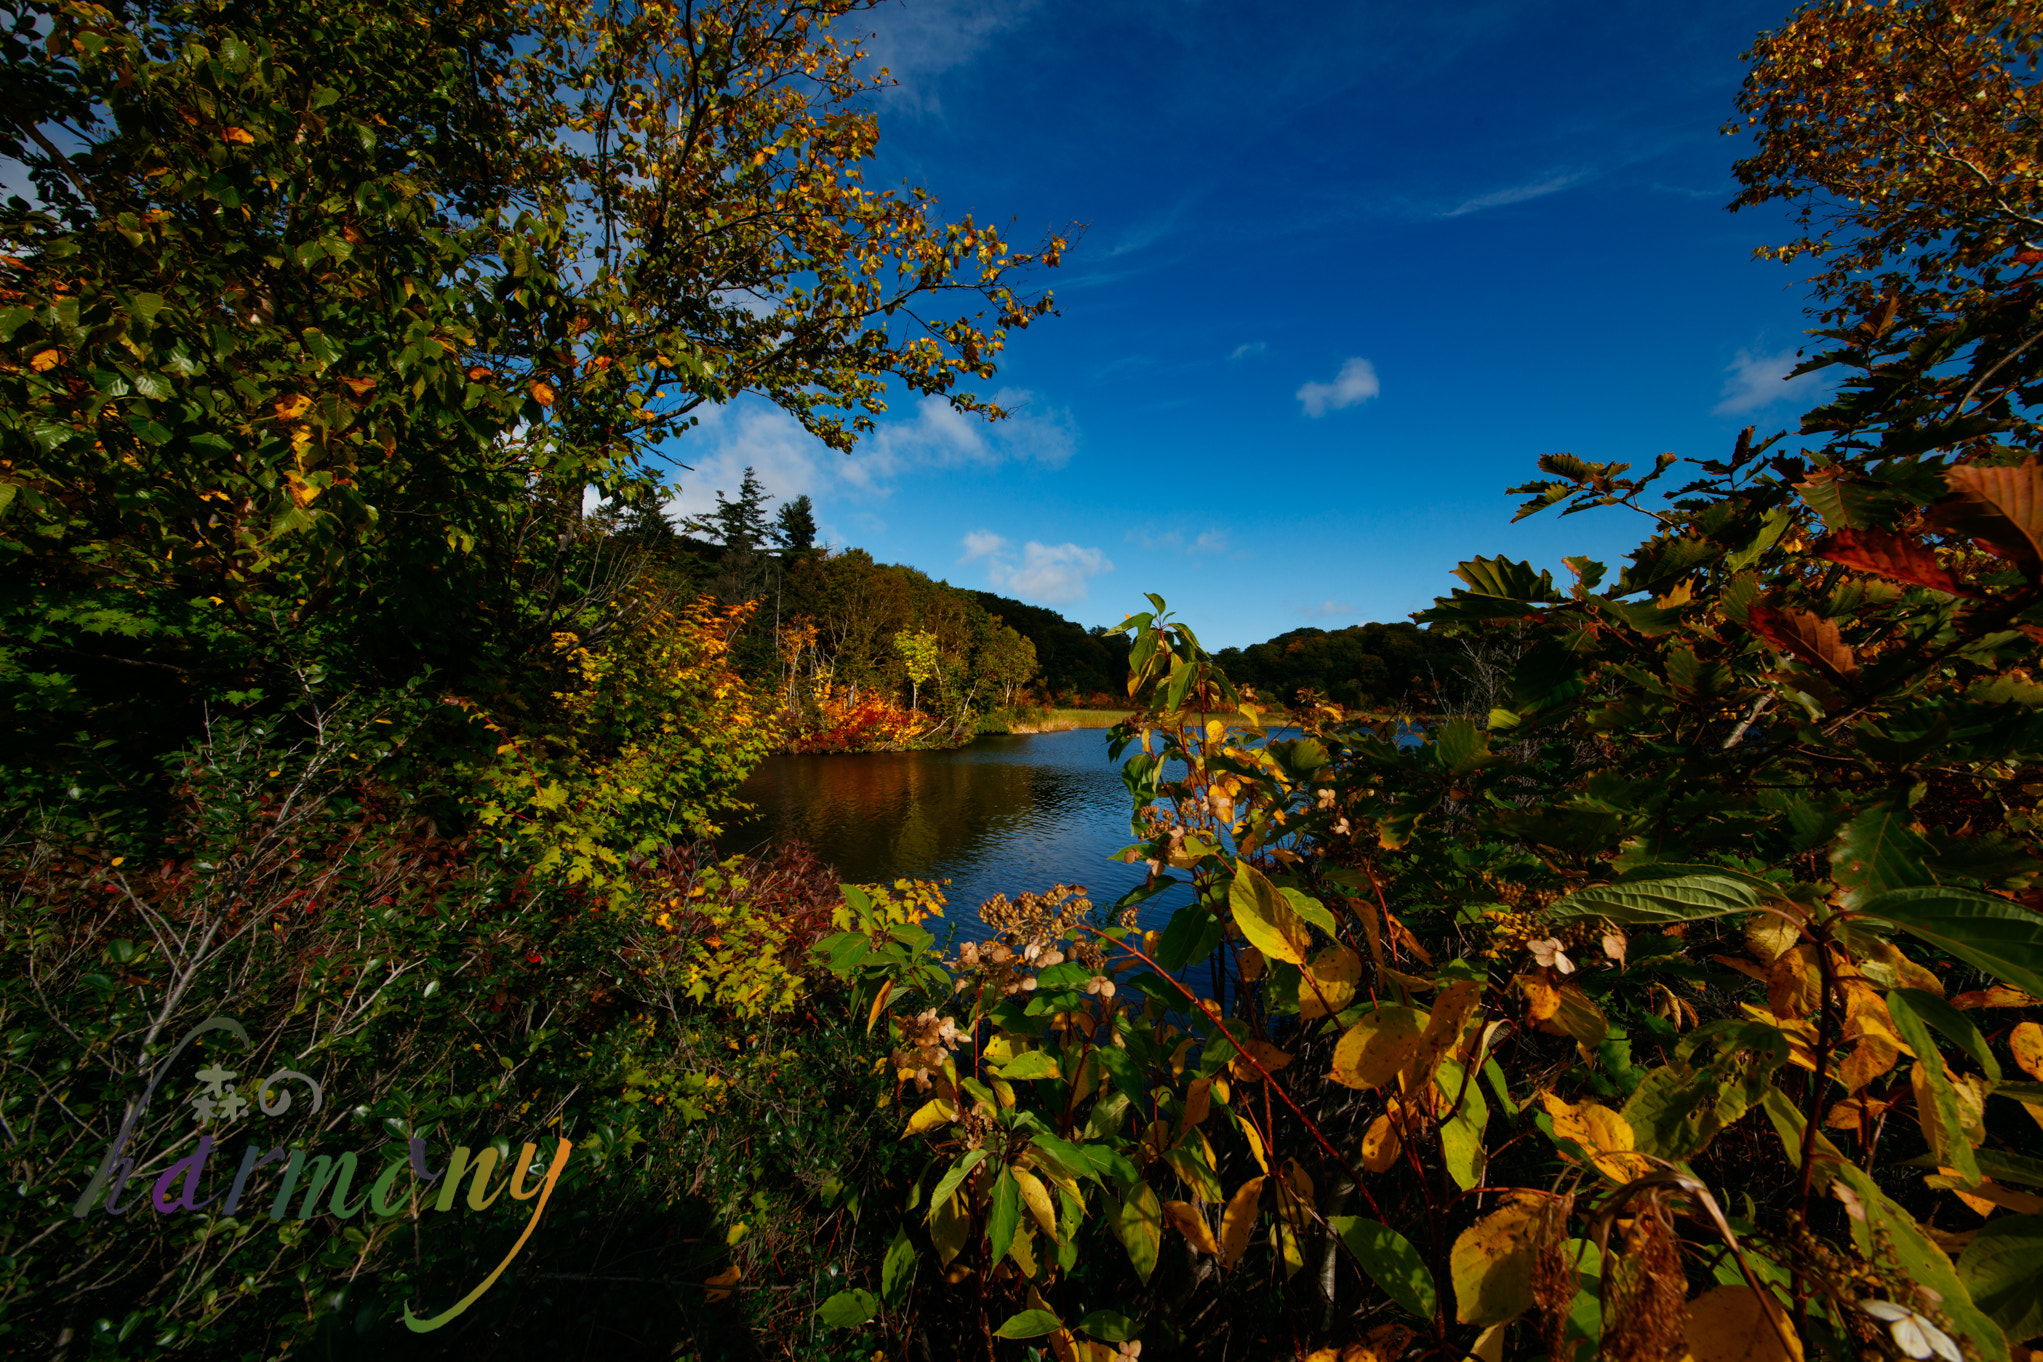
1875,852
1999,1268
1681,898
1991,934
1804,635
1893,556
1999,507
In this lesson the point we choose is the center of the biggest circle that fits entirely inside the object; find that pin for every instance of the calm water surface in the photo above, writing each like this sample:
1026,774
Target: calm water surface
1004,815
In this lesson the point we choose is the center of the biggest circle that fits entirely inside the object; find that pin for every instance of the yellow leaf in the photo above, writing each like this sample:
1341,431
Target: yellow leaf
1489,1344
1255,1143
1265,918
950,1225
1374,1049
727,1278
1380,1144
1037,1198
1269,1056
542,392
1603,1133
1188,1222
1737,1324
292,407
45,360
1238,1223
872,1017
1328,983
1198,1101
931,1114
2026,1040
1541,999
241,135
1443,1028
1492,1263
1768,936
1998,995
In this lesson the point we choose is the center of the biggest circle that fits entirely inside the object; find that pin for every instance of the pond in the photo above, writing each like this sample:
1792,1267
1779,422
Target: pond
1004,815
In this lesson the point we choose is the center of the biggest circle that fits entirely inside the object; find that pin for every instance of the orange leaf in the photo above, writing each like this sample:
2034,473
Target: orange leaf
724,1280
1892,556
292,407
1269,1056
478,372
240,135
2001,508
358,386
542,392
2026,1041
46,360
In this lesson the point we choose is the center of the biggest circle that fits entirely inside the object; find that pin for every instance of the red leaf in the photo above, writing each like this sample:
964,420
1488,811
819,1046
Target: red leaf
1810,637
1892,556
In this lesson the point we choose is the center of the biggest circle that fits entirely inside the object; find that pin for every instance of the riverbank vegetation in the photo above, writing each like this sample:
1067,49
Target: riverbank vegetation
1674,993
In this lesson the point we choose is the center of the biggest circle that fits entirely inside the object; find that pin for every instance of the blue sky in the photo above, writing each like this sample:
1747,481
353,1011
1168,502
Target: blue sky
1347,271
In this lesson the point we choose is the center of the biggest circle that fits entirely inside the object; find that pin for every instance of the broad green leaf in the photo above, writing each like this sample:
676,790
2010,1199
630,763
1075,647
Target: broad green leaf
1955,1025
1459,746
1391,1262
1265,917
848,1309
1004,1219
1312,910
1029,1324
1193,934
1138,1222
1988,933
1645,902
1875,852
2005,1167
1936,1105
1999,1268
897,1271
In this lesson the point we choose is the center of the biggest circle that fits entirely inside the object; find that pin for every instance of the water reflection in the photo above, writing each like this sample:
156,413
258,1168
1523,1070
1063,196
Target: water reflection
1004,815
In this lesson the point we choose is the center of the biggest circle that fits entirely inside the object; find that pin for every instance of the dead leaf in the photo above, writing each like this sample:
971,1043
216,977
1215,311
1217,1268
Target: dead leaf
1999,995
1269,1056
719,1285
292,407
2026,1040
1604,1134
1815,640
2000,508
1541,998
1767,936
1737,1324
542,392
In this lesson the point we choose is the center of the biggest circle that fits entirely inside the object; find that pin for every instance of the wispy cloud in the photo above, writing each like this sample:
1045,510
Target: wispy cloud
1208,541
1758,381
1518,193
1249,348
1327,609
1052,573
920,42
1355,383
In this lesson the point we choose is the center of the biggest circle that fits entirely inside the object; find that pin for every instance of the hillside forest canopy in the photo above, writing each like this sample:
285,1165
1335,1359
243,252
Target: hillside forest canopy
1639,961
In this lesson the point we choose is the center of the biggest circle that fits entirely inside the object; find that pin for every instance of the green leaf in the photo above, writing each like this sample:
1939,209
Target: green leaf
1876,852
1034,1064
1313,911
1506,579
1956,1026
1459,746
848,1309
1004,1219
952,1179
1029,1324
1943,1127
1265,917
1138,1223
1192,935
1111,1325
2004,1167
1999,1268
12,320
1988,933
1391,1262
1684,898
897,1272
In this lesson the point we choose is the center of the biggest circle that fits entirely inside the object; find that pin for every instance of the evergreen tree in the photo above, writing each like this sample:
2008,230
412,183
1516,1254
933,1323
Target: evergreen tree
740,524
795,526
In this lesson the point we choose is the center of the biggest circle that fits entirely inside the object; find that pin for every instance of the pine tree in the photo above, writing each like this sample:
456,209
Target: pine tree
795,526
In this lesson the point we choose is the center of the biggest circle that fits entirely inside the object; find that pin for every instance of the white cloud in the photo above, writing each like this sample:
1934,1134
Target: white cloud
1326,609
789,461
1212,541
1248,348
982,544
1521,193
1761,380
1355,383
1169,539
1051,573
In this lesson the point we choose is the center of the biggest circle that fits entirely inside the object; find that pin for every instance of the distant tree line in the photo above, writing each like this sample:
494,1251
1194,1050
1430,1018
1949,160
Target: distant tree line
1361,666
